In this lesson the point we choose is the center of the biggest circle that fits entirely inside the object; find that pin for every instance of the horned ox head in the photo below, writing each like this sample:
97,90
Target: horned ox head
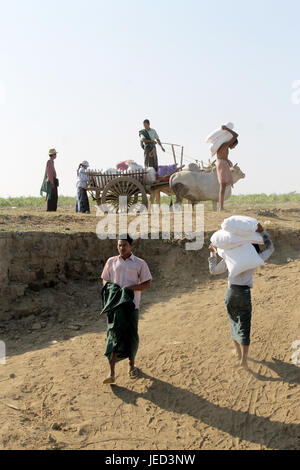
237,172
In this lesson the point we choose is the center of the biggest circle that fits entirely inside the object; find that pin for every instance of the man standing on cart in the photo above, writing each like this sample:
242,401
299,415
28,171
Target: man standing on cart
149,139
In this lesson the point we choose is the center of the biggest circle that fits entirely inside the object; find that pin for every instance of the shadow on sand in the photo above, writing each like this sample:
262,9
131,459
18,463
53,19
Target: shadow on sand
287,373
239,424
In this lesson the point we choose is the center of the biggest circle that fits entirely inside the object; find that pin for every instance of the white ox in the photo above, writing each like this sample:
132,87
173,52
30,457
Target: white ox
197,185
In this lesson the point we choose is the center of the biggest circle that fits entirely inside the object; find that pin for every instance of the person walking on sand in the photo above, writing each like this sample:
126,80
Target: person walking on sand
149,139
50,183
82,200
124,278
224,165
238,297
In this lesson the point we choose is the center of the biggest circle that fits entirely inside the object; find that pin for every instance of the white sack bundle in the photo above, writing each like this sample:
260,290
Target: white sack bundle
218,133
217,144
111,171
240,225
151,175
227,241
133,166
241,259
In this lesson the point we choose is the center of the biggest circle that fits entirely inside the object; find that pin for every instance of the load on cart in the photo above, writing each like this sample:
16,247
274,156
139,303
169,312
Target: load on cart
133,181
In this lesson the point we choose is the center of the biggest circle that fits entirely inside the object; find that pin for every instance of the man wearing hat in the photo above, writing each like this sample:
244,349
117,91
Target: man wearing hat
82,200
50,183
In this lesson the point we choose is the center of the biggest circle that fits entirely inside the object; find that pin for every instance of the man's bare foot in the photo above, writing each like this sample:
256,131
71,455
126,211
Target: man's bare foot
133,372
236,354
109,380
244,365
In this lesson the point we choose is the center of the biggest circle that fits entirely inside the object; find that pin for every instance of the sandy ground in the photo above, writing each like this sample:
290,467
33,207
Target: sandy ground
191,394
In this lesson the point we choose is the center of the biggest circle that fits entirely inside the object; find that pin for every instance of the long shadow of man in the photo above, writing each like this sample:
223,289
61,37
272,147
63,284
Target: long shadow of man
238,424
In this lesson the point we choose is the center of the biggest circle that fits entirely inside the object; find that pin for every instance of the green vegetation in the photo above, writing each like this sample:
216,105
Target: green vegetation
254,199
33,202
64,201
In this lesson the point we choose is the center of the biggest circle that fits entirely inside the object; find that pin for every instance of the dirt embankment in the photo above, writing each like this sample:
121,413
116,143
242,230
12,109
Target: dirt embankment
38,270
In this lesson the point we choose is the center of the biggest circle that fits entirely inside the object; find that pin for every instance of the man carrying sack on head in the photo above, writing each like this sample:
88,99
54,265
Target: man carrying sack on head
149,138
50,183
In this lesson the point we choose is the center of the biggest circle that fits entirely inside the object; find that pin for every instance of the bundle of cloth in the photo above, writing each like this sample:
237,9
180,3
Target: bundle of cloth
133,166
165,170
219,137
234,243
151,175
129,166
122,166
111,171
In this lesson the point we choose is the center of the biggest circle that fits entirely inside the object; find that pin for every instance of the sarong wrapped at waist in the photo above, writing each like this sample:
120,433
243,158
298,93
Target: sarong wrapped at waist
224,173
239,309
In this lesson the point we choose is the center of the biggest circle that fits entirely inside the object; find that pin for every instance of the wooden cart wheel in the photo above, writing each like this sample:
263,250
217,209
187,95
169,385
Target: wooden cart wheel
124,186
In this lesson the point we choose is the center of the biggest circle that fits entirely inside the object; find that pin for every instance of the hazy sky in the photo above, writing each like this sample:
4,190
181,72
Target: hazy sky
81,76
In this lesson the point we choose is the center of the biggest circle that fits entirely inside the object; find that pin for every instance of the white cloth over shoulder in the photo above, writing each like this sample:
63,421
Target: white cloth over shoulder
219,137
235,244
236,231
241,259
245,278
217,144
227,241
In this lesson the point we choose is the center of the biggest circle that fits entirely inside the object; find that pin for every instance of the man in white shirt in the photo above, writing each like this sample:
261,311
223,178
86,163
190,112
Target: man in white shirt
149,139
82,200
238,297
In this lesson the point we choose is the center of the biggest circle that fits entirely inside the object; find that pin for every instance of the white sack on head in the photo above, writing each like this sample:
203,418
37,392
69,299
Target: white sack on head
218,133
227,241
151,175
240,225
241,259
215,146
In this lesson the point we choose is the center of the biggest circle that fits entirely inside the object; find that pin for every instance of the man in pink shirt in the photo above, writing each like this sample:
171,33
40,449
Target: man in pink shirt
130,272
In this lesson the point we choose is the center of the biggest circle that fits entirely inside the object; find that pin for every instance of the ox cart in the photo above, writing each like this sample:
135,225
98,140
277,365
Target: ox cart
108,188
